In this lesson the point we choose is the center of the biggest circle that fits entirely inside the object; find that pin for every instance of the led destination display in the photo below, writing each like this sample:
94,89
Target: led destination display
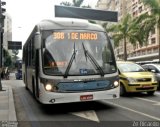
75,36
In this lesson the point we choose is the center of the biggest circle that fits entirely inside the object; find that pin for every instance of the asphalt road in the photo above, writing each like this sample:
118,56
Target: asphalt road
134,110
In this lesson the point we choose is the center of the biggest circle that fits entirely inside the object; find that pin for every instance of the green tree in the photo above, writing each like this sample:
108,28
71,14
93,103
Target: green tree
7,58
75,3
15,57
155,14
125,30
66,3
145,23
134,30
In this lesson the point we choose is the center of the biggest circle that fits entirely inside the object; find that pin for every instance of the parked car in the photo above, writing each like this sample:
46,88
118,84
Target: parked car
18,74
133,78
154,68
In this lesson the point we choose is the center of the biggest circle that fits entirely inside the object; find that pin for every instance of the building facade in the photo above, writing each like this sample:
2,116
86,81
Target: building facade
7,35
135,8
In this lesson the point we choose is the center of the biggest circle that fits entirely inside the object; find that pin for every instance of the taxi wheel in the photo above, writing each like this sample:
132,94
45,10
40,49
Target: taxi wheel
122,90
150,92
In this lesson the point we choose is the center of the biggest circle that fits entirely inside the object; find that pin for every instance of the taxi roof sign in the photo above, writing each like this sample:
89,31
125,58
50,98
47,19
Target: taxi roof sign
85,13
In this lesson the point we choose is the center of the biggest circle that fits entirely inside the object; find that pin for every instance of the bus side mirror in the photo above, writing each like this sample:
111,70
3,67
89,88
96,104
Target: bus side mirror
37,38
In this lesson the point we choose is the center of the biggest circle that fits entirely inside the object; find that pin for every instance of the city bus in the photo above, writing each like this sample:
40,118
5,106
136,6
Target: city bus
69,60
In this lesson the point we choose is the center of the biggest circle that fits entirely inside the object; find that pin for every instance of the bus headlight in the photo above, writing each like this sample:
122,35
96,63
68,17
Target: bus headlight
116,83
48,87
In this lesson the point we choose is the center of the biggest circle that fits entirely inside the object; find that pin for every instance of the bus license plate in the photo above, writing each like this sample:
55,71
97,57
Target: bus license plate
86,97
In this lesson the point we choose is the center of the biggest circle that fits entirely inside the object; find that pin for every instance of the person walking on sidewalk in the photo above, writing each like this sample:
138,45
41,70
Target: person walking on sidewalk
6,73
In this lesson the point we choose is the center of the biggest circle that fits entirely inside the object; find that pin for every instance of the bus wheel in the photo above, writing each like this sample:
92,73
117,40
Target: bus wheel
150,93
122,90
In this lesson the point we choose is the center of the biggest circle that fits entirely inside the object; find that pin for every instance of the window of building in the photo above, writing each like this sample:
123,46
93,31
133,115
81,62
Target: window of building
153,31
153,41
140,9
139,1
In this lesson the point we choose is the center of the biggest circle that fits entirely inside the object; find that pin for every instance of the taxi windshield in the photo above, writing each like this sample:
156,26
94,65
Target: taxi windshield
129,67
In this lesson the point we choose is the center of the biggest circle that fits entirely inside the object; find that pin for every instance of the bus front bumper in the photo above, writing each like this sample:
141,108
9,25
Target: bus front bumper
55,98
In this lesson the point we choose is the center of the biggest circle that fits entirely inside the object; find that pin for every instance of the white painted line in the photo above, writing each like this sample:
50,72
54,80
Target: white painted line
90,115
148,100
157,92
132,110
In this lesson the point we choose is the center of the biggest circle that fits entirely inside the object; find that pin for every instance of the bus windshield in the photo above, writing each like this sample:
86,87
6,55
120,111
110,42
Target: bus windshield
78,52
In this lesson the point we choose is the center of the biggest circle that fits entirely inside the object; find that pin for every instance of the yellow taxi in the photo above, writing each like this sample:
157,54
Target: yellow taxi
133,78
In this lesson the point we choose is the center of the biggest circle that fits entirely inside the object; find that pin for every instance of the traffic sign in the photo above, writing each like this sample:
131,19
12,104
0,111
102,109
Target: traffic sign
86,13
14,45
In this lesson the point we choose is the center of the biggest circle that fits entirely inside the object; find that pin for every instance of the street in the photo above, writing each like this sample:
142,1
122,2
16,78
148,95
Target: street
132,110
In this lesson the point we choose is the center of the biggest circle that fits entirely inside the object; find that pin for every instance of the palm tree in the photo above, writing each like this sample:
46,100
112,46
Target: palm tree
7,58
75,3
135,30
15,57
126,30
145,23
66,3
155,13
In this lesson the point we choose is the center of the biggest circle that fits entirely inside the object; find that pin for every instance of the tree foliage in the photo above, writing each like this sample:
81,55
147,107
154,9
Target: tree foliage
126,31
7,58
155,15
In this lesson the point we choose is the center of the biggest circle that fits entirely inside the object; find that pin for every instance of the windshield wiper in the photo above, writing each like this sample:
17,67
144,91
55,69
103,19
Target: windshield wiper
94,62
70,62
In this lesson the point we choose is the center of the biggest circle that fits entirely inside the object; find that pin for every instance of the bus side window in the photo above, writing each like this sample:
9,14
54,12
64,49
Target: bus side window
33,52
37,62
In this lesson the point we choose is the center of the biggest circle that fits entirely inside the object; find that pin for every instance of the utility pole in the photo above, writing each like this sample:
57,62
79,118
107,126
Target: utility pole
2,17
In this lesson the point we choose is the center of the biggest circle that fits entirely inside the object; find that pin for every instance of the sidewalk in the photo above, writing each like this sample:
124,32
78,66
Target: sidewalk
7,107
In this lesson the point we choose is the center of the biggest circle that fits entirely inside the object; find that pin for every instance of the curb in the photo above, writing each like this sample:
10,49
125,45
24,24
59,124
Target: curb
11,112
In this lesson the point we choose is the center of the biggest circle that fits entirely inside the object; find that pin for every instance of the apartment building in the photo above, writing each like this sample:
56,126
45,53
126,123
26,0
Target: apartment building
135,8
7,35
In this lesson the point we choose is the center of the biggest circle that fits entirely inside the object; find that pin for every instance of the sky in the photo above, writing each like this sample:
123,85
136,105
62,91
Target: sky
26,13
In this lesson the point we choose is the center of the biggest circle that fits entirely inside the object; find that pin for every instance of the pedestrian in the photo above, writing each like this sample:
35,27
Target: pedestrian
2,73
6,73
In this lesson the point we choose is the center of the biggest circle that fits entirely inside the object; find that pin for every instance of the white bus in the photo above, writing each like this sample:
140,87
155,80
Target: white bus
69,61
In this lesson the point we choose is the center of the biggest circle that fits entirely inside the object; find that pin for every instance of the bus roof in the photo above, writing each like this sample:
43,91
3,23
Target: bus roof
68,23
64,24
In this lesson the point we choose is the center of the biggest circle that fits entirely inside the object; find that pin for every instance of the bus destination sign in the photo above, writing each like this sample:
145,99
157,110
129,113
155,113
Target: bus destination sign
75,36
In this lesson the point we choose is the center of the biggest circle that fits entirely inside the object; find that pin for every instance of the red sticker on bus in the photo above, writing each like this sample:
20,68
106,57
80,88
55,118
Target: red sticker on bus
86,97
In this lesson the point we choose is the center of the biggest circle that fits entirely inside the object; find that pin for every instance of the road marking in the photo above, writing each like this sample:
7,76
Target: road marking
132,110
90,115
148,100
158,93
